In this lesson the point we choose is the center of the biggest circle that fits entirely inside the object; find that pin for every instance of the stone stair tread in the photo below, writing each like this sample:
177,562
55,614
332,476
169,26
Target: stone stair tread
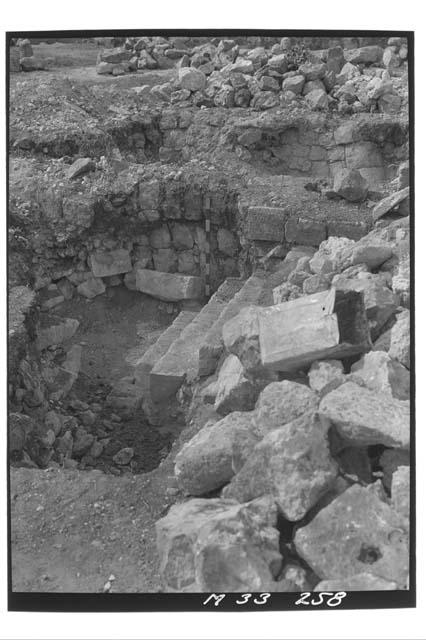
211,345
181,359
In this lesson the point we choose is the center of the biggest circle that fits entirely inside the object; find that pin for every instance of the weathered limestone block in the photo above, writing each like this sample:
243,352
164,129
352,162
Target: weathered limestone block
110,263
350,185
326,325
283,402
191,78
400,491
160,238
165,260
400,339
355,532
218,546
334,254
91,288
294,84
182,237
170,287
359,582
266,223
205,462
292,464
305,231
363,417
326,375
381,373
364,55
235,392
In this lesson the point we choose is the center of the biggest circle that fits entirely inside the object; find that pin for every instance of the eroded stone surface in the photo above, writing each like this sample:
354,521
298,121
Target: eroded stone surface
357,531
283,402
381,373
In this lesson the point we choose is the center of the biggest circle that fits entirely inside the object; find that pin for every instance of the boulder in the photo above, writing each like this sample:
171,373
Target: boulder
400,339
364,417
235,392
110,263
278,63
371,253
317,99
292,464
400,491
351,185
359,582
364,55
218,546
383,374
191,78
283,402
334,254
170,287
354,530
294,84
205,462
326,325
312,71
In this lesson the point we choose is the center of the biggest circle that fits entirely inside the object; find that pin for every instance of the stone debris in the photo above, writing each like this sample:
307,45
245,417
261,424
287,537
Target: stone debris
355,530
381,373
234,391
329,324
364,417
219,546
292,464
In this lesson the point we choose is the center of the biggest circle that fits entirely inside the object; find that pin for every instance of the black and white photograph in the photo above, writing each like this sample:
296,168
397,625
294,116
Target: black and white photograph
210,245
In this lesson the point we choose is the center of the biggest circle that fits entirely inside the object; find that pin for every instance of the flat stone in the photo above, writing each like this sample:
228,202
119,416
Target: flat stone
383,374
91,288
364,417
389,203
170,287
321,326
292,464
110,263
235,392
216,545
205,463
354,532
283,402
359,582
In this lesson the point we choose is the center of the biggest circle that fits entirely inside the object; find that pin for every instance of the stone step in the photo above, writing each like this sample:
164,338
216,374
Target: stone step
211,346
181,359
157,350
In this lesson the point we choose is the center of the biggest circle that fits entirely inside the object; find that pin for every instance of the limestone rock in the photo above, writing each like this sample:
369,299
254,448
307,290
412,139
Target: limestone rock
389,203
241,337
364,417
389,461
351,185
317,99
372,254
292,464
381,373
326,375
400,339
283,402
110,263
205,462
235,392
364,55
355,530
400,491
91,288
359,582
170,287
334,254
191,78
294,84
218,546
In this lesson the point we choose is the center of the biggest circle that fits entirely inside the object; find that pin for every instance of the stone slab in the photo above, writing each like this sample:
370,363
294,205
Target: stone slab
110,263
170,287
266,223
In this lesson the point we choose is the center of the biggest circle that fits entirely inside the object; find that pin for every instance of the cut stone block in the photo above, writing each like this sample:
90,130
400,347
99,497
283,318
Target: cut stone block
364,417
110,263
218,546
170,287
326,325
389,203
355,532
266,223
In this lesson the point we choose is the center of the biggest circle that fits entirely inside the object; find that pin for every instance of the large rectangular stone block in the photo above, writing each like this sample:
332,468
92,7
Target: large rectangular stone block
170,287
328,324
266,223
110,263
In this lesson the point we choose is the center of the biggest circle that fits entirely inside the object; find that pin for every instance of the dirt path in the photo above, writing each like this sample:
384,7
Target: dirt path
71,530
